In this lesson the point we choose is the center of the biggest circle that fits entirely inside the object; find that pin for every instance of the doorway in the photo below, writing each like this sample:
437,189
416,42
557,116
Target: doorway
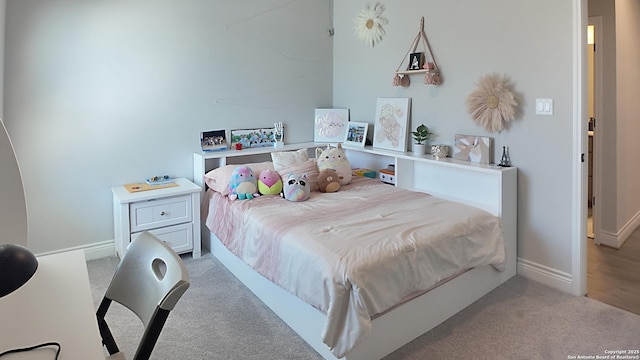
594,99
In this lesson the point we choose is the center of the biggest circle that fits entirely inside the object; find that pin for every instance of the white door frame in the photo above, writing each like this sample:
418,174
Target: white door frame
580,149
597,139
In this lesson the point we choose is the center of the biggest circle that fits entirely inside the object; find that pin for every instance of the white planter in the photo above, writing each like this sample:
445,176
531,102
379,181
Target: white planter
419,149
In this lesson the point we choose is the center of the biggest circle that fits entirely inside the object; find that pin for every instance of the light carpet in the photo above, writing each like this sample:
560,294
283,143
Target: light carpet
219,318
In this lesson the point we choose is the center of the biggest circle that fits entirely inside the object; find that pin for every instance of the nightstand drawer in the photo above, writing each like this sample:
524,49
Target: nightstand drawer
152,214
179,237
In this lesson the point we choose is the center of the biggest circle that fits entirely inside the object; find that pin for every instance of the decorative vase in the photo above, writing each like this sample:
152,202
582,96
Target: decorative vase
419,149
439,151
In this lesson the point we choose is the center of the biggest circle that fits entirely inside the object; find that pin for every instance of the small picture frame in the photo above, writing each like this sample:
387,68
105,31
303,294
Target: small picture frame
478,149
416,61
213,140
356,134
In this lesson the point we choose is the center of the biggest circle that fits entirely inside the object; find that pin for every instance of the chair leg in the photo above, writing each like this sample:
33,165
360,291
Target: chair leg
151,334
107,338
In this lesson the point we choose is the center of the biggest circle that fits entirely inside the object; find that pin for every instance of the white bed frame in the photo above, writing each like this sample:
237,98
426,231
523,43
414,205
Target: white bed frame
485,186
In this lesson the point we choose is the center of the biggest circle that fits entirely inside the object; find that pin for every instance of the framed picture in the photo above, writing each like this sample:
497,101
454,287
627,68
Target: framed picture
213,140
416,61
356,134
391,123
330,125
473,148
251,138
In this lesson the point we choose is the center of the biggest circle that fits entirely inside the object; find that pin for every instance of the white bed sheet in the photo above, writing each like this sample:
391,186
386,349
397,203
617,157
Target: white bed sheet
358,252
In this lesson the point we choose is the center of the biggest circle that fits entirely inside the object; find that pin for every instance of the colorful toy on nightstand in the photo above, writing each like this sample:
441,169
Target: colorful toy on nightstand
365,172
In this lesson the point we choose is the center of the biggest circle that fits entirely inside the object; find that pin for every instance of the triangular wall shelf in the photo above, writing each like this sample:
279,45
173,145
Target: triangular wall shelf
426,65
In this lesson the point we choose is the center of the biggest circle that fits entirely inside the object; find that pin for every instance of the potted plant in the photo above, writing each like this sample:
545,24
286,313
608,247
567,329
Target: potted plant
420,136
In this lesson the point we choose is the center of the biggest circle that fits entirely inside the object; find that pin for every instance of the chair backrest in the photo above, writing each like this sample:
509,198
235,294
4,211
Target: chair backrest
149,275
149,281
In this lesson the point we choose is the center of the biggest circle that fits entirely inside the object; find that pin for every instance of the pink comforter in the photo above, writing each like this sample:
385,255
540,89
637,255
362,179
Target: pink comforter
357,252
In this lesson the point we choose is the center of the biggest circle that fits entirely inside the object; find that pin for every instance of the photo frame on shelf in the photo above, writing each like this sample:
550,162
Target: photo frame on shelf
391,123
356,134
252,138
478,149
330,125
416,61
213,140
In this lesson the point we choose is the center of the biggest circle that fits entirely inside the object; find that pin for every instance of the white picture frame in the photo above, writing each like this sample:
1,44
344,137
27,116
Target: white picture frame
330,125
356,134
391,126
252,138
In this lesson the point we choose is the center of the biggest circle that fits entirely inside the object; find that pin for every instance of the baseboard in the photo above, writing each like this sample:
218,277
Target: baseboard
608,238
616,240
545,275
91,251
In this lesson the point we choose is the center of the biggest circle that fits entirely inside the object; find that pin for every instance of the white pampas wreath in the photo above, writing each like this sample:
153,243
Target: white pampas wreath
492,105
368,25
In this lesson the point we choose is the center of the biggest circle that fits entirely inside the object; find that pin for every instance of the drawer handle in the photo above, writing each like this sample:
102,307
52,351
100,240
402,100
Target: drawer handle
163,213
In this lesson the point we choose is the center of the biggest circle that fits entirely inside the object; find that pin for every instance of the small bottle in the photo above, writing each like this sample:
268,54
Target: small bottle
504,161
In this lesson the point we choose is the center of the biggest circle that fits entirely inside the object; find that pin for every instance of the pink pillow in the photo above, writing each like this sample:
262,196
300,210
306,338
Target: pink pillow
218,179
308,167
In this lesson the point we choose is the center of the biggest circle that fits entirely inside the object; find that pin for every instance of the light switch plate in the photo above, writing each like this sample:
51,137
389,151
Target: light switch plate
544,106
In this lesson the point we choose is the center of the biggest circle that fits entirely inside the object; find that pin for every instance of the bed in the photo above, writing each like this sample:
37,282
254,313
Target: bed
417,259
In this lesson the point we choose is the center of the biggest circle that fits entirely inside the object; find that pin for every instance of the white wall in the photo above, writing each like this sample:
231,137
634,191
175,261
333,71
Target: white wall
3,11
606,125
101,93
531,42
628,113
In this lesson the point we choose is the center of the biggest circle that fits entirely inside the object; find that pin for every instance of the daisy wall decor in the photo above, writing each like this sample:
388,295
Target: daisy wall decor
369,24
492,104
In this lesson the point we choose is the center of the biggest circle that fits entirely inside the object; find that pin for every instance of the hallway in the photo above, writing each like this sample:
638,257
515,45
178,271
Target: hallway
612,275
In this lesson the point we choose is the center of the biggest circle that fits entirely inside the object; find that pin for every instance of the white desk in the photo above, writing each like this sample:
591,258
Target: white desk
54,305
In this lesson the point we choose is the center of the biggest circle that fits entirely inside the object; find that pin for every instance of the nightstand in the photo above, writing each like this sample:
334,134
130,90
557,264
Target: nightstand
172,214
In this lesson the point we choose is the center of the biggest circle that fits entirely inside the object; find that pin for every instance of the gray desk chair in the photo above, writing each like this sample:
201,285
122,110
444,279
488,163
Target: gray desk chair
149,281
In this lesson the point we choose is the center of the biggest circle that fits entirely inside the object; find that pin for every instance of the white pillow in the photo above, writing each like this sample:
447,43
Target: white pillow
285,159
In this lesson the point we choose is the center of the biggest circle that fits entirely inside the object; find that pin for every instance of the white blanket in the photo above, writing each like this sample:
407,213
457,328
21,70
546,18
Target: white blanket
357,252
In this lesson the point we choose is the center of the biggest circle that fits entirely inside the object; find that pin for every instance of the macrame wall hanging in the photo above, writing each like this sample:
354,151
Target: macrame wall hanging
492,105
418,62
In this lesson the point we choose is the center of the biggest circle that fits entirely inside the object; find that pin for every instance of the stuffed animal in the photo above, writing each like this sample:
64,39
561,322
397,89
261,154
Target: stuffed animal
269,183
335,158
328,180
243,184
296,187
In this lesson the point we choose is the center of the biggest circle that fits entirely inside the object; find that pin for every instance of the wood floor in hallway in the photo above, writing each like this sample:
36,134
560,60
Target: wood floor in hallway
613,276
